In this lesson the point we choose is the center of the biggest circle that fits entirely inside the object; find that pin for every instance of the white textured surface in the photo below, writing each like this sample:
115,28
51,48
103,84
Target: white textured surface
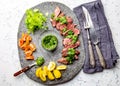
11,12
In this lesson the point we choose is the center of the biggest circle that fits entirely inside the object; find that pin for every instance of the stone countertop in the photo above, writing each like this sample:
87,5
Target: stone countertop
11,12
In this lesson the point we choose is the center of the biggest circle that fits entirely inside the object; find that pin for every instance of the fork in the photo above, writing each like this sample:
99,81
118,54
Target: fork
95,41
92,59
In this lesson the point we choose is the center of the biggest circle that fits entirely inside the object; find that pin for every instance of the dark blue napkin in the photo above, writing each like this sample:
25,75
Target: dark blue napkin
106,44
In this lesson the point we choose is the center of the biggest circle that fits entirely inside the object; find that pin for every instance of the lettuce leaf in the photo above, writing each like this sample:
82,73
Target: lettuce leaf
35,20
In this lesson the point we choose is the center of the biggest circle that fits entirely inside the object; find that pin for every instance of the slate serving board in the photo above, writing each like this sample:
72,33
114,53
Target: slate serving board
73,69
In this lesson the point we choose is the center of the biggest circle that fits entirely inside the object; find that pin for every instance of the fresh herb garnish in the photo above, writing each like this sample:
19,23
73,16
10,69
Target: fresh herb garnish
62,20
70,59
72,36
64,29
74,39
69,36
70,32
71,54
40,61
52,15
57,19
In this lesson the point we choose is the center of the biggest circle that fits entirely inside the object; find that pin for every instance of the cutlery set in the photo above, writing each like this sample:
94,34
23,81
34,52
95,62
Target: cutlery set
88,25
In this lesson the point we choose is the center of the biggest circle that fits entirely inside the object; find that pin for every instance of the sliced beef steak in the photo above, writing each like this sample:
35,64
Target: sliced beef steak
57,12
63,60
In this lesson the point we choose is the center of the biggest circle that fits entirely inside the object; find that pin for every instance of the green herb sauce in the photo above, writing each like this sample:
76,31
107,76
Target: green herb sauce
49,42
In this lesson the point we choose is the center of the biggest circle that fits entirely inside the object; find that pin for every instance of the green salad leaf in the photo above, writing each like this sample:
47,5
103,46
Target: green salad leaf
35,20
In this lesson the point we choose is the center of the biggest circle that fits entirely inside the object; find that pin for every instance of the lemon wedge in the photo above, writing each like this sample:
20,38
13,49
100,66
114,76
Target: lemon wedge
57,73
45,70
51,66
61,67
38,70
42,76
50,75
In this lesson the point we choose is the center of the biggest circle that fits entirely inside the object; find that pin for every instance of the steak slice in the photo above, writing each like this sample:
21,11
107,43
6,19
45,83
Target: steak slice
67,41
53,22
57,12
69,19
63,60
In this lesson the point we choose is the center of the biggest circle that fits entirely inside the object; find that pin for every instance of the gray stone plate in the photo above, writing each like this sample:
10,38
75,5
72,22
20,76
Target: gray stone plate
73,69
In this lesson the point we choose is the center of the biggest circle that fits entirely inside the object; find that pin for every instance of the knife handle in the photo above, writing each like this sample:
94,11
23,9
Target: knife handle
100,56
92,59
21,71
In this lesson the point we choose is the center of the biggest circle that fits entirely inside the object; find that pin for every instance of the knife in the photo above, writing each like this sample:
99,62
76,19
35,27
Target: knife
87,27
95,40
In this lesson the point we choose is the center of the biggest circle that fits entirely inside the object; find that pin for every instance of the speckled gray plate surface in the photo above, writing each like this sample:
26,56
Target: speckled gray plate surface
72,70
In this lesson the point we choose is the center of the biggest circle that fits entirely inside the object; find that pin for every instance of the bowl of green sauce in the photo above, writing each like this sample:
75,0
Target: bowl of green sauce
49,42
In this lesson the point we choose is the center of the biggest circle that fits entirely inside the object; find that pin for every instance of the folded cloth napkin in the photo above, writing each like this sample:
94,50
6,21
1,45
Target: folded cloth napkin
106,44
